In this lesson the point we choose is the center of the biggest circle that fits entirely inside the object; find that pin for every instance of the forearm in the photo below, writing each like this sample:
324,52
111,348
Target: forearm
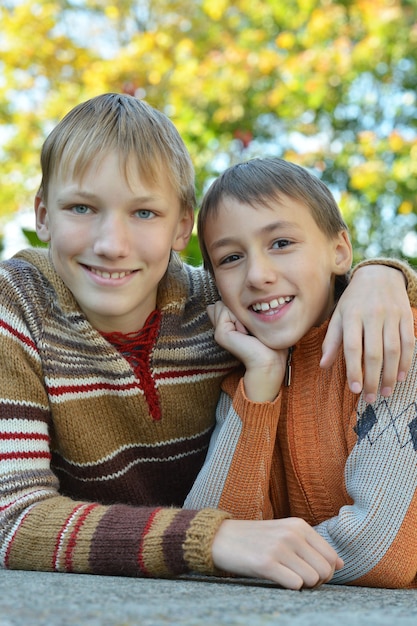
42,530
236,474
58,534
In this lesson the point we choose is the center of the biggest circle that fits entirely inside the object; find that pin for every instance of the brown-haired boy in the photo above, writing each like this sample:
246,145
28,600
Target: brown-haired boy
293,444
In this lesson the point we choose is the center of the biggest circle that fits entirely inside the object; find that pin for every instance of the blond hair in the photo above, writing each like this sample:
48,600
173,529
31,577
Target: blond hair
122,123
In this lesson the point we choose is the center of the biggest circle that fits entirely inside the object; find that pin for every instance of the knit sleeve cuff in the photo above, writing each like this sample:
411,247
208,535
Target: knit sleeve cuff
409,274
256,413
199,540
249,411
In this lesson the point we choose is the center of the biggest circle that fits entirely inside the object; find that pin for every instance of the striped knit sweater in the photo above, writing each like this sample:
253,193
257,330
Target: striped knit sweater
320,453
91,476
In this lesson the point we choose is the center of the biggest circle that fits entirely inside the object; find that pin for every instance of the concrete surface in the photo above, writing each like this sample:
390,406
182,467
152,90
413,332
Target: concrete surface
35,598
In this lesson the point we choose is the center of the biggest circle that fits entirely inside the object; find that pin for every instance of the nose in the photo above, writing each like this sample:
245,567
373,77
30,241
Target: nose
260,271
112,237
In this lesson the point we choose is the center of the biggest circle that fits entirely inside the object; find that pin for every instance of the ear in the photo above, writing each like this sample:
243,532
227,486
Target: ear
343,253
42,219
184,229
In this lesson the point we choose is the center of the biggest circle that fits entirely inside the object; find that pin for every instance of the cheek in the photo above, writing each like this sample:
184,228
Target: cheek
227,289
219,282
152,248
68,241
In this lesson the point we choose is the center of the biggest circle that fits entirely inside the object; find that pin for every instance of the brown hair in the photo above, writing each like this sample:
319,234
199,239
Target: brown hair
264,181
131,126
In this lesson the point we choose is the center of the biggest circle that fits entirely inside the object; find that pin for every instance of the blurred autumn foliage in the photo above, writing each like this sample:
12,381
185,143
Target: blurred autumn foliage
329,84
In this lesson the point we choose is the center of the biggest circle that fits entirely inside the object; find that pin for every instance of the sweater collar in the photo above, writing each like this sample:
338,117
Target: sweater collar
312,341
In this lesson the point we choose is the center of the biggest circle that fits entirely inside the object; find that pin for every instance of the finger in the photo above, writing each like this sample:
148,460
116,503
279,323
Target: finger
353,349
284,576
407,344
311,566
391,358
210,313
320,545
351,334
218,312
291,571
320,570
314,559
222,312
332,341
224,319
240,328
373,359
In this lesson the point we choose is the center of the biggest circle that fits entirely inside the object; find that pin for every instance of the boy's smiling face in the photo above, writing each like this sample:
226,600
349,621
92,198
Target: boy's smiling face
274,267
110,240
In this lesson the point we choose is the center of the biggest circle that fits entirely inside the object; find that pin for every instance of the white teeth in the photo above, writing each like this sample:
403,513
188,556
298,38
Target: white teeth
275,303
114,275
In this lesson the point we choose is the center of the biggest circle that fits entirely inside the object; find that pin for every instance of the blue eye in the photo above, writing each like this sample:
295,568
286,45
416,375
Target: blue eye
145,214
80,209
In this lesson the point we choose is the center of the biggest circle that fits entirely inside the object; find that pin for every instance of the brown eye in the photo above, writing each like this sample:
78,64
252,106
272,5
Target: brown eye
281,243
229,259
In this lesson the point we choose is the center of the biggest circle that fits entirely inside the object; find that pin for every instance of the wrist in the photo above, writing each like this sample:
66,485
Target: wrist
409,275
262,386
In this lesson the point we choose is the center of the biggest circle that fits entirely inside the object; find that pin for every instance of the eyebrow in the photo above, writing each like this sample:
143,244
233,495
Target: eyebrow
274,226
87,195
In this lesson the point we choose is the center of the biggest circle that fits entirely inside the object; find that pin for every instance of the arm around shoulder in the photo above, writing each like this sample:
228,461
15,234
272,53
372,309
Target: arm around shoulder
375,535
373,320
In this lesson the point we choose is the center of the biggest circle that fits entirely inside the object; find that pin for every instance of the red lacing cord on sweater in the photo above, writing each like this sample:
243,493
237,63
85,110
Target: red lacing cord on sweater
136,348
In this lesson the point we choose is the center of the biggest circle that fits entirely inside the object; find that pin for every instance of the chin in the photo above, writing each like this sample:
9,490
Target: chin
280,344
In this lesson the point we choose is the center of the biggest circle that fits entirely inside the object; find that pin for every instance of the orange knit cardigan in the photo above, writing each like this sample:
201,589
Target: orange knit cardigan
320,453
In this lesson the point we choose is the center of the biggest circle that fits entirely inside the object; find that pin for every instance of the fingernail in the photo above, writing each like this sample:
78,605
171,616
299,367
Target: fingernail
386,391
356,388
370,398
401,377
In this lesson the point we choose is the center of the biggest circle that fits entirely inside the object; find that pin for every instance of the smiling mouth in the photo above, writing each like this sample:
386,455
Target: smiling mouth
276,303
113,275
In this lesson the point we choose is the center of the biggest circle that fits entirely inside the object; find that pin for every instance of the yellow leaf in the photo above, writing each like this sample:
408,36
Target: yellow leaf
396,142
215,8
405,208
285,40
112,12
